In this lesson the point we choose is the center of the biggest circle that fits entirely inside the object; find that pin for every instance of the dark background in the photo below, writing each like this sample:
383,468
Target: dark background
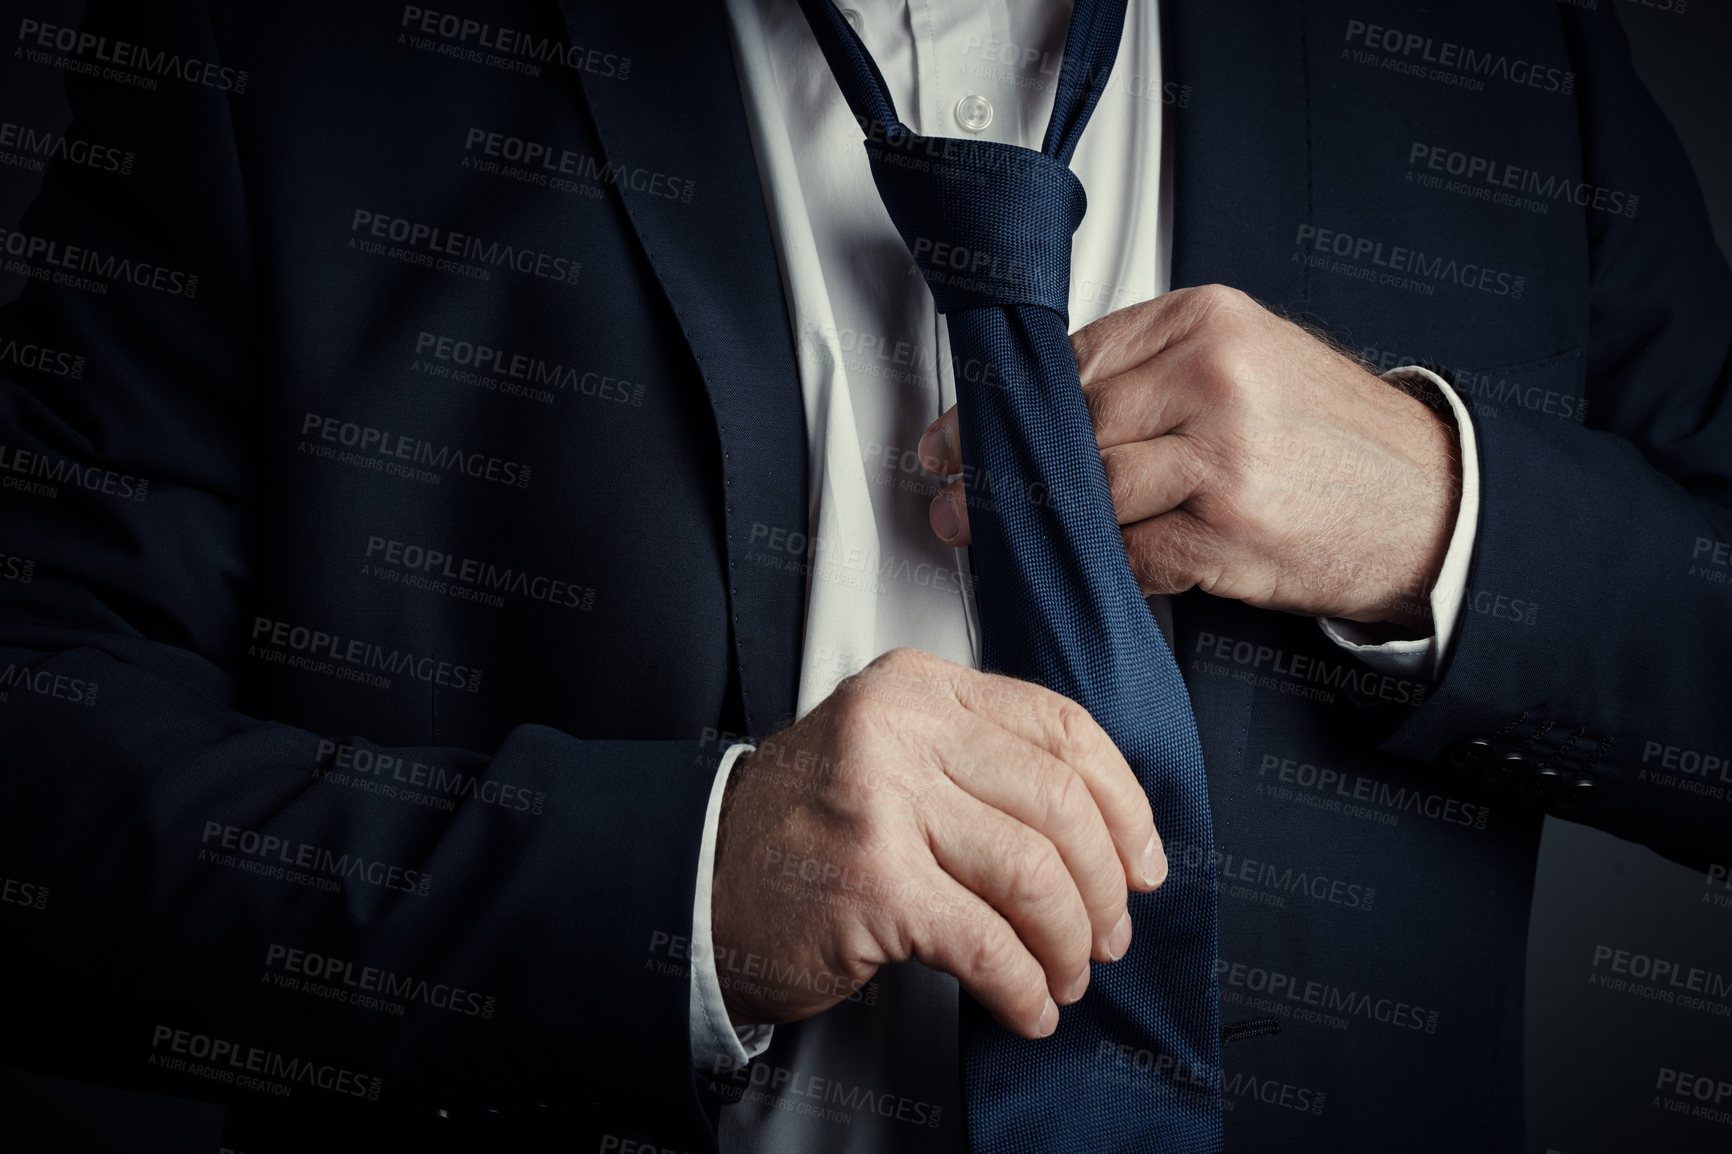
1592,1055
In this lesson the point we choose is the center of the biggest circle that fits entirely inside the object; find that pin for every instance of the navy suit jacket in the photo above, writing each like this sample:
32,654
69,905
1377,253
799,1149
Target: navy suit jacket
392,438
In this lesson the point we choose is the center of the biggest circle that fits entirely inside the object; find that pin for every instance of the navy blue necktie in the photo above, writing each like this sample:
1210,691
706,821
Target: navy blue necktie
1134,1066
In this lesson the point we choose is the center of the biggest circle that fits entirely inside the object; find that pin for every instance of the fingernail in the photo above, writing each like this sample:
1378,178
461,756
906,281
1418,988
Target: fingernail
1120,939
1154,862
1078,987
1048,1019
945,522
934,450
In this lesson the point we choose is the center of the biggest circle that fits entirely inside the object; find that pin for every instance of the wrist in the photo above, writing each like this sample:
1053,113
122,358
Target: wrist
1422,526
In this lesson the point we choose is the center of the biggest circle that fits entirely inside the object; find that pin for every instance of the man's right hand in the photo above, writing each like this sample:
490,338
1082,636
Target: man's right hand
984,825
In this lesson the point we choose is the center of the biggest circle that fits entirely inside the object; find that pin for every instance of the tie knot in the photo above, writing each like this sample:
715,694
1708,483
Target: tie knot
989,224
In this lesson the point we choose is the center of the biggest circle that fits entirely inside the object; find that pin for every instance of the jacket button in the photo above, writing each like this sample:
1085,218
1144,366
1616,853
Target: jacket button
1468,754
1509,767
1575,794
1542,781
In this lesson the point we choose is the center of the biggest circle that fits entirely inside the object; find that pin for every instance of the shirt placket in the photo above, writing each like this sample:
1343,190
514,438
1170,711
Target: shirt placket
965,87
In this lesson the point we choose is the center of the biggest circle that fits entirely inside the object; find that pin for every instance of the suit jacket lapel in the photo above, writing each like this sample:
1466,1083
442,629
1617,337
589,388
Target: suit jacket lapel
680,111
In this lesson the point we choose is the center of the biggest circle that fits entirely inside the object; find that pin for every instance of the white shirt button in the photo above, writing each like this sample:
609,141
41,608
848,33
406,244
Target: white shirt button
974,113
854,19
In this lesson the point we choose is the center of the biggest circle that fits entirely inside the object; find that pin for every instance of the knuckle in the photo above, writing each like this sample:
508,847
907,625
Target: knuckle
1233,457
1201,467
903,657
1107,404
1004,697
852,689
1230,371
1152,554
1075,731
1109,886
1039,879
1220,299
994,956
1065,801
868,837
856,709
1069,940
1092,340
861,940
905,675
1121,475
1138,553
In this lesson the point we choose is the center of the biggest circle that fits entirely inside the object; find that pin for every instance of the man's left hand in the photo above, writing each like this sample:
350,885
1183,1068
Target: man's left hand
1251,460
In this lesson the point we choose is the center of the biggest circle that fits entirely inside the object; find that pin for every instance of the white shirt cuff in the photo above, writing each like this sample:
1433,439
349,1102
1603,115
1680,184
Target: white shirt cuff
716,1044
1423,656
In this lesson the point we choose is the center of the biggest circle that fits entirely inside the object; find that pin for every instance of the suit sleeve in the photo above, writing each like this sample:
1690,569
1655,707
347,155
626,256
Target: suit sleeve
1593,668
194,883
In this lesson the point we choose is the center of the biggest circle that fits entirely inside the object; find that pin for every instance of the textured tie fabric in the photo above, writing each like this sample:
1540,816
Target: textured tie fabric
1134,1066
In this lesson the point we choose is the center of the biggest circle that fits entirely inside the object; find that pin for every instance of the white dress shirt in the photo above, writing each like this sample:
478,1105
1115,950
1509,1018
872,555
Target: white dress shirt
875,370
